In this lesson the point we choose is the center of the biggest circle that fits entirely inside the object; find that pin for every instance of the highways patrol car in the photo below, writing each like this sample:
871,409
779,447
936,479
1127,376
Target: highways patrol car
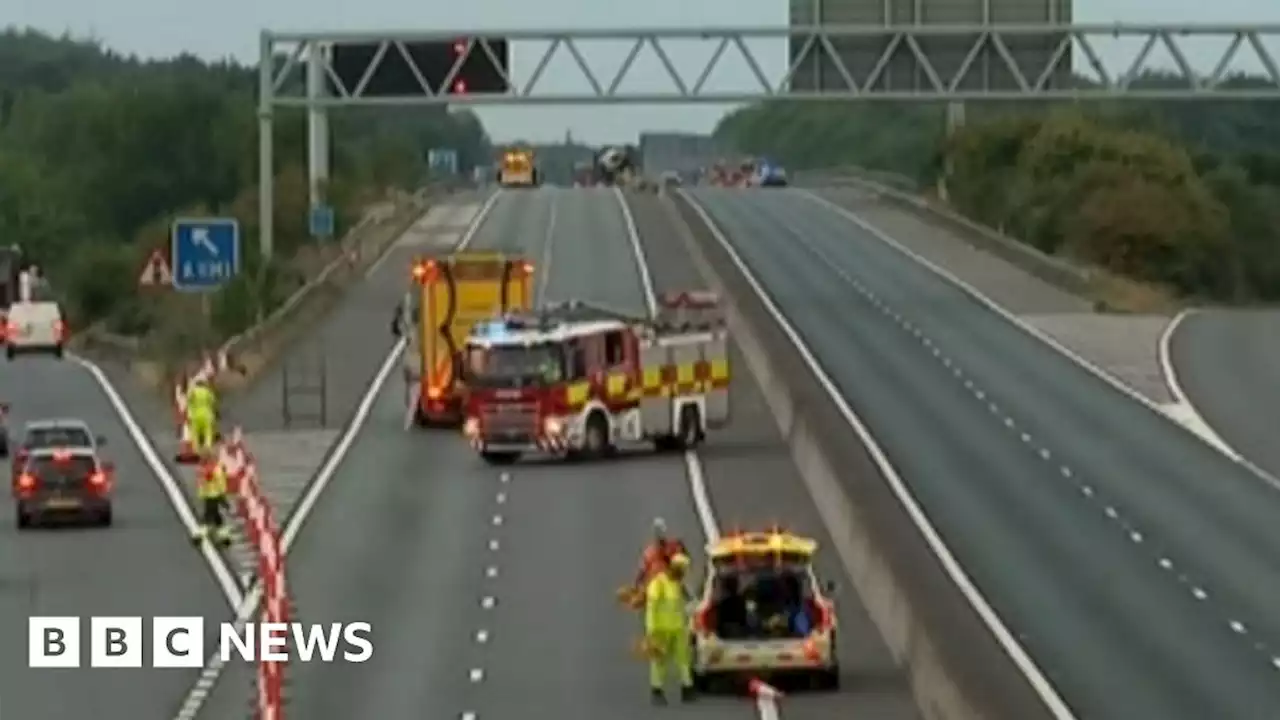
763,612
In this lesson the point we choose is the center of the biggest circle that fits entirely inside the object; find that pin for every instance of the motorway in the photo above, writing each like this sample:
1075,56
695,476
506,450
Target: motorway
143,566
1136,565
497,597
1227,362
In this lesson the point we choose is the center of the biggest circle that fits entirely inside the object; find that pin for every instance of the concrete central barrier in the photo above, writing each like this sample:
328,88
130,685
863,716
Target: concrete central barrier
957,667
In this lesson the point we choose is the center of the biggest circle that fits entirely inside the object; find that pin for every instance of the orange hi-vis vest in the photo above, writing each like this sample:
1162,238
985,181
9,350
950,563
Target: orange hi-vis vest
656,556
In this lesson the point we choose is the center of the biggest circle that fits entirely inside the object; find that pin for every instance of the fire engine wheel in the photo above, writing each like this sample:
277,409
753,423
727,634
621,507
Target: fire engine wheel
500,458
690,430
596,442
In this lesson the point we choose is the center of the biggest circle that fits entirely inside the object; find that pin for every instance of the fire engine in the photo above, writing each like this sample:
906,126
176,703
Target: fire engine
576,379
448,296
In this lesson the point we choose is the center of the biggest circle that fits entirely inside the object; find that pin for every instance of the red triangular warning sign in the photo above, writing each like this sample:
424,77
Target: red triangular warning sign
156,272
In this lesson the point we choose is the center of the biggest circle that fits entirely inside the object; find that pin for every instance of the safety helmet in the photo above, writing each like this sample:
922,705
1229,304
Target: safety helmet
680,562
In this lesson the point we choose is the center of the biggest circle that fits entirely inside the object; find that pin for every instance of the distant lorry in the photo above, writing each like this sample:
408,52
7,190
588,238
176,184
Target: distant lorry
517,169
584,174
448,296
615,166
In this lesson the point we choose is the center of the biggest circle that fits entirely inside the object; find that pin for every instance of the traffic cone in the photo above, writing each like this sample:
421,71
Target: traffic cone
186,454
760,690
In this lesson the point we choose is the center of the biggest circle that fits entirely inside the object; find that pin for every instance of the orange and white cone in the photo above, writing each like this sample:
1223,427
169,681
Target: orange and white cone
186,454
760,690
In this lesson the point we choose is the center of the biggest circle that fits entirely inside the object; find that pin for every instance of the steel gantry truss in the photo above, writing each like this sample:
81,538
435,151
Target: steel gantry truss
949,63
952,63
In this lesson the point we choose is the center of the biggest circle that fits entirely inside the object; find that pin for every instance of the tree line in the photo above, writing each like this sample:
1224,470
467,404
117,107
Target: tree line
99,151
1182,196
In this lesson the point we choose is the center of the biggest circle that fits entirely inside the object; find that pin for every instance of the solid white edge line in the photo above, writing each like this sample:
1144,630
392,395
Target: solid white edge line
1165,358
248,603
991,305
1039,682
172,487
766,707
329,469
637,251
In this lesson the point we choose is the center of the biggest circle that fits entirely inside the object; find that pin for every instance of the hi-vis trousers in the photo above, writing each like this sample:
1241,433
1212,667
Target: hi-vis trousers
212,523
669,651
201,423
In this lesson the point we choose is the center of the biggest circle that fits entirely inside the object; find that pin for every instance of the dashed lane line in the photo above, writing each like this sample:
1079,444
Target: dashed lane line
488,601
1111,511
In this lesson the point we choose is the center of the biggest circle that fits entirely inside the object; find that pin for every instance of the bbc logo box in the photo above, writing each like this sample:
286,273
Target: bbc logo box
115,642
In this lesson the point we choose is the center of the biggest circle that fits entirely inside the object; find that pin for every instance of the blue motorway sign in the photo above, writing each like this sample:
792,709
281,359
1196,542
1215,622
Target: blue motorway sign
442,161
321,221
205,252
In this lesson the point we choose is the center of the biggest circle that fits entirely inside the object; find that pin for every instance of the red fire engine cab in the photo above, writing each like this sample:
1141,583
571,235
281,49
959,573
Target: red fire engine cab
576,379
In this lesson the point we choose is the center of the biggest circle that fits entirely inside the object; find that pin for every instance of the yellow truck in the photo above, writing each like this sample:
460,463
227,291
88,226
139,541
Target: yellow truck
449,295
516,169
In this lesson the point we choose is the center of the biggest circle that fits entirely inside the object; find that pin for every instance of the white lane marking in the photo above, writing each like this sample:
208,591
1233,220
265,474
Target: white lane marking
477,674
548,242
468,716
249,603
497,520
502,498
1039,683
1182,409
491,572
487,602
173,489
1036,333
493,545
482,636
766,706
1110,511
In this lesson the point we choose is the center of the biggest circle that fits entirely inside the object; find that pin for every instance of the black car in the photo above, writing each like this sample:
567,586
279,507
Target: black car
67,484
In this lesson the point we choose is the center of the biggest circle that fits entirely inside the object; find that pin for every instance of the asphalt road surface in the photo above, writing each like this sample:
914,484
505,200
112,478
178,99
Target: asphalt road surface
143,566
1137,565
497,597
752,483
1228,364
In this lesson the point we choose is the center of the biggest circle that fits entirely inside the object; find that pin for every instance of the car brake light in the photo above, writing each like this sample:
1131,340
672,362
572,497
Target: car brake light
433,393
26,482
98,480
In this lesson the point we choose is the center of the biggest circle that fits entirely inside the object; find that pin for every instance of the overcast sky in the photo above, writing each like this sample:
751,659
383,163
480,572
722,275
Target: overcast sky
231,27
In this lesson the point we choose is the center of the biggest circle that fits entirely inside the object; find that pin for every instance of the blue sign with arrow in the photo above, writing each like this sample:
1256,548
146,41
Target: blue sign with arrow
205,252
321,221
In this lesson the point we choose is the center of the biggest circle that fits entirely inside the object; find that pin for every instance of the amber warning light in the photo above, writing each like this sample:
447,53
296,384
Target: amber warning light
424,271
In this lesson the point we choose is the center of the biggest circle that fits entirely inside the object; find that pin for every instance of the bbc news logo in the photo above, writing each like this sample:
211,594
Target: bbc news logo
179,642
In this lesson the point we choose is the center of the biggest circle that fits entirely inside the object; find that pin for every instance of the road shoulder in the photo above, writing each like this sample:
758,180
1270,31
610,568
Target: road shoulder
1125,346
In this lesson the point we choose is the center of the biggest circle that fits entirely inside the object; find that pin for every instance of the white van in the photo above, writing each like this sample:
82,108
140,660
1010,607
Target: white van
35,327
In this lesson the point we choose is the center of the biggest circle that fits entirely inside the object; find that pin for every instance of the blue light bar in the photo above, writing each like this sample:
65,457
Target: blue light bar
491,329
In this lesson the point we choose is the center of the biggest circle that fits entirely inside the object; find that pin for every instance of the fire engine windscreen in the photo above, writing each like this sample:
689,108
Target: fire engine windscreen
512,366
